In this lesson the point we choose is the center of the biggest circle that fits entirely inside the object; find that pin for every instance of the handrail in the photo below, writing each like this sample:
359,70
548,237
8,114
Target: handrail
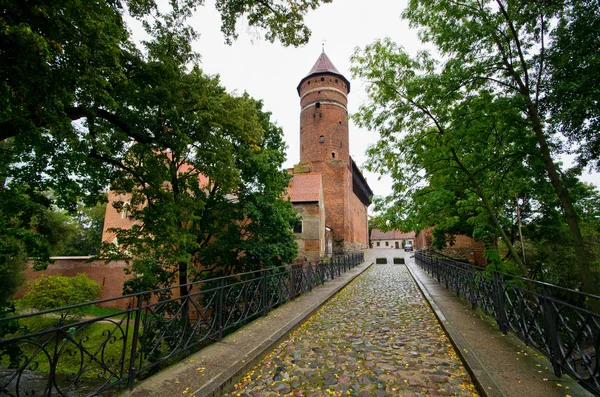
89,356
557,321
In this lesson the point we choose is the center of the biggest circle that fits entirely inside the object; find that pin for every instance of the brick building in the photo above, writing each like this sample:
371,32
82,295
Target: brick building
325,151
463,247
327,189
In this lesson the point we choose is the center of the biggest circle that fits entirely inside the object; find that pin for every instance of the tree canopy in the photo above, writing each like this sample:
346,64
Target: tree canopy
83,106
470,135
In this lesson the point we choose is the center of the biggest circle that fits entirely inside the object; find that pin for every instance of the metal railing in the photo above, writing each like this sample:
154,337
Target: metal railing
57,353
561,323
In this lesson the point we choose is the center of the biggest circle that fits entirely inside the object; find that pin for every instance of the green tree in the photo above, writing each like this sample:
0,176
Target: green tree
573,97
207,192
498,48
73,97
469,148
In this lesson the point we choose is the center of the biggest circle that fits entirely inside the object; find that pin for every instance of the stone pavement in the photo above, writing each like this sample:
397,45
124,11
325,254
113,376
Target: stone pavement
377,337
502,365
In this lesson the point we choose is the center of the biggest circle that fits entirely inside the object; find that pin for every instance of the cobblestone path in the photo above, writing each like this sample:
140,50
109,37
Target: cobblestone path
377,337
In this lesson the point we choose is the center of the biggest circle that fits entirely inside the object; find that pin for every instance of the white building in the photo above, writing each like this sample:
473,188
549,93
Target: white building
392,239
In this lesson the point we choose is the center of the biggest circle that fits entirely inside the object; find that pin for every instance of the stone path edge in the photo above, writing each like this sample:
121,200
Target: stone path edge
215,369
486,386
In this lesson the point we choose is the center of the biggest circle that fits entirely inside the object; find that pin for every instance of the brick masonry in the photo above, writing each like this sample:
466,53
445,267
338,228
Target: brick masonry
110,276
324,150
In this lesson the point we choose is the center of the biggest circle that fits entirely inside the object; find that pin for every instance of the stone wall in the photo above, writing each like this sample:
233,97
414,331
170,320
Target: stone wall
110,276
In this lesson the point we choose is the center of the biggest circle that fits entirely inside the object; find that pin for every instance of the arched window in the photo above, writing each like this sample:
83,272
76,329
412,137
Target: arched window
321,139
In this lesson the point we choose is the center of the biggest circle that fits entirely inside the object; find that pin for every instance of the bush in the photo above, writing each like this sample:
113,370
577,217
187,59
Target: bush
51,292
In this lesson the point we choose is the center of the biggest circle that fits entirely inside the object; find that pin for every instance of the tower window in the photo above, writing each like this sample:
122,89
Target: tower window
298,227
318,104
332,155
321,139
322,78
308,83
336,80
319,92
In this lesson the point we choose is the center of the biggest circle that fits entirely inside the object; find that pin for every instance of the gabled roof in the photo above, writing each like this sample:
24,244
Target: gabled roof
305,188
377,234
323,66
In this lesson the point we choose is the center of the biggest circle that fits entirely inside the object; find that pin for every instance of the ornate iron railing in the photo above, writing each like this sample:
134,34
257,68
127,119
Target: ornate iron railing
56,353
561,323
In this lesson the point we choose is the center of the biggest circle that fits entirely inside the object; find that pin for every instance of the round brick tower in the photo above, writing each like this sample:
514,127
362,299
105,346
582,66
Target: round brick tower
324,114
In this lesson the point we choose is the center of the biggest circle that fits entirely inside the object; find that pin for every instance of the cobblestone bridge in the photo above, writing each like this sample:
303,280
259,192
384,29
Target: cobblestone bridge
377,337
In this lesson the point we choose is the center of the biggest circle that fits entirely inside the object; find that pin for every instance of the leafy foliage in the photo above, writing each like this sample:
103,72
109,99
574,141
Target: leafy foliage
474,129
80,102
51,292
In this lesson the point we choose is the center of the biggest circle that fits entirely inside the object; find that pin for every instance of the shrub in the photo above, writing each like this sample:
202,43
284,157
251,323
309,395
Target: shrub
51,292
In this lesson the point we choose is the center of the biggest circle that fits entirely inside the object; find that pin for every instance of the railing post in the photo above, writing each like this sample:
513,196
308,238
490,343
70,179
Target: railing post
551,322
220,308
473,293
292,283
264,287
134,342
501,317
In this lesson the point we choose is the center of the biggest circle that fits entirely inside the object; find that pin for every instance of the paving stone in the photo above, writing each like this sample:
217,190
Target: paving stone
377,337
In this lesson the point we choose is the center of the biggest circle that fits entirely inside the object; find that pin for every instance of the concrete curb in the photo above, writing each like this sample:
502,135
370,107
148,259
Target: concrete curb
215,369
486,385
500,365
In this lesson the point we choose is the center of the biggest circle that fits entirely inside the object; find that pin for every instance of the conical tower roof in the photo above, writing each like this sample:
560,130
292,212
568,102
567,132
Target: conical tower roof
323,66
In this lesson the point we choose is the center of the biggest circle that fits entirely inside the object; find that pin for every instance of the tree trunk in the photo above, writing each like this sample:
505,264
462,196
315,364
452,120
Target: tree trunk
491,214
581,252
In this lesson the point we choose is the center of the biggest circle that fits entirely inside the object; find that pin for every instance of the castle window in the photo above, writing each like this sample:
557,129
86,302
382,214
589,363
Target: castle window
322,78
336,80
319,92
125,210
298,227
321,139
318,104
308,83
332,155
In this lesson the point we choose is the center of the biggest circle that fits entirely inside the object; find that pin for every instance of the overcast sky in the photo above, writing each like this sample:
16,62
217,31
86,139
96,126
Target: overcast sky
271,72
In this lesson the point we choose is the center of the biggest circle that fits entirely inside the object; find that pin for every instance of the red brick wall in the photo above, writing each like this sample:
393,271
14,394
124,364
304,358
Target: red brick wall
336,192
464,247
114,219
110,276
359,223
323,103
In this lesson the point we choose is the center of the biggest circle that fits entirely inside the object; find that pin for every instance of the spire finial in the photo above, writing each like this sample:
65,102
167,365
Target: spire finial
323,45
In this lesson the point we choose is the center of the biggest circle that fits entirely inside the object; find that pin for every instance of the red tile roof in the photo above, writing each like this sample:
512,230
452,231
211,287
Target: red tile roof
322,66
377,234
305,188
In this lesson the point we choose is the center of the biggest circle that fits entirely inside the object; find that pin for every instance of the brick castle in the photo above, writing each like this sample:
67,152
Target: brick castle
327,189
